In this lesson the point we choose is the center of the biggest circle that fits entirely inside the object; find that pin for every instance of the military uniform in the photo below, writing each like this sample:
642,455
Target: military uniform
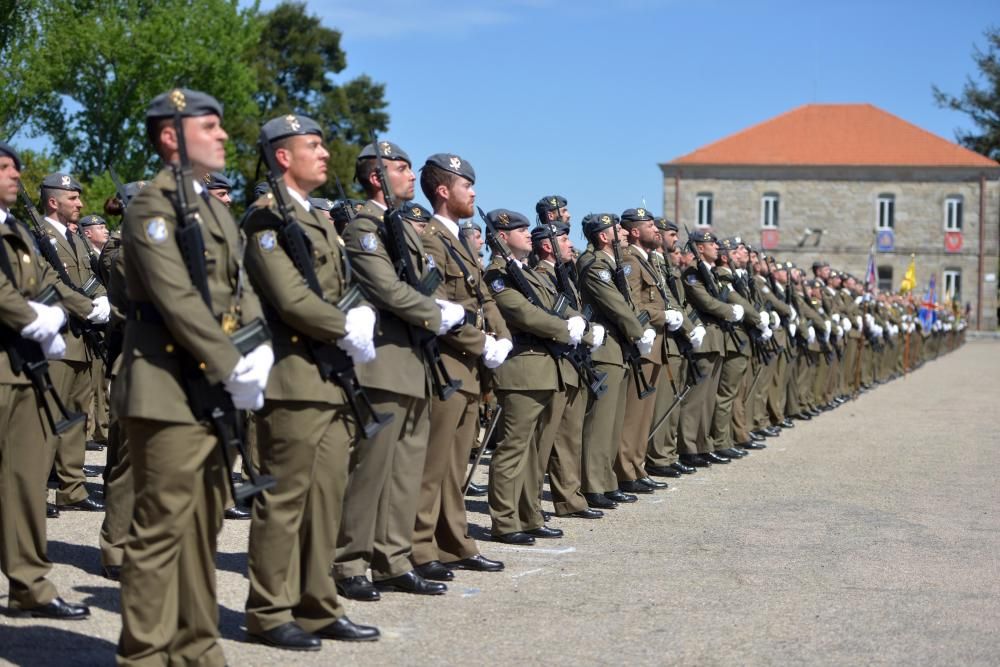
169,608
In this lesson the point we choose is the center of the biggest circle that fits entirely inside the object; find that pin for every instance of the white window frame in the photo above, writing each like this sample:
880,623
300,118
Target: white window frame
703,209
953,206
885,203
769,210
950,278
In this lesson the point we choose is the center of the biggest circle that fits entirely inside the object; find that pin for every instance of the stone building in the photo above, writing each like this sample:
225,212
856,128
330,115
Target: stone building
829,180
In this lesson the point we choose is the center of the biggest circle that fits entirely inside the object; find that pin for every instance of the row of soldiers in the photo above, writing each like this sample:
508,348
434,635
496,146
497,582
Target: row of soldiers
363,338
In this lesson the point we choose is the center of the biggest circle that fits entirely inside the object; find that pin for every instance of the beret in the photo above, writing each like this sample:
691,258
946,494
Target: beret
469,226
819,264
550,203
598,222
411,210
59,181
702,236
91,221
322,203
388,151
630,216
452,163
506,220
217,181
289,125
542,232
6,149
261,189
190,103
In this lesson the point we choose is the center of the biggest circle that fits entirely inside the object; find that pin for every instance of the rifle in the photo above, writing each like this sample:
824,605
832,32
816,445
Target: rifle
481,449
80,327
757,346
212,403
632,355
394,235
333,363
595,382
684,345
709,280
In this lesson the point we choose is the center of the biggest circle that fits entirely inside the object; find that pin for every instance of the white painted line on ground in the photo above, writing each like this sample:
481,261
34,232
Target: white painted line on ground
524,574
536,550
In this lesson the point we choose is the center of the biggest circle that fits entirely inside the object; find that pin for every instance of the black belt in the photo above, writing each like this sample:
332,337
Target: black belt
142,311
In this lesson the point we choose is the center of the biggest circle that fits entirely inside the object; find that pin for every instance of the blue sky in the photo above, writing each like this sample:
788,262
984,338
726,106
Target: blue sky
585,98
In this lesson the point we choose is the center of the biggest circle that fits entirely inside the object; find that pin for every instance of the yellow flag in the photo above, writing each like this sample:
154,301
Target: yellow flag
910,279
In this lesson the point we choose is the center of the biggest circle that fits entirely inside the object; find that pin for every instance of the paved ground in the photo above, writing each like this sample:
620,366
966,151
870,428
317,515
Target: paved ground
868,536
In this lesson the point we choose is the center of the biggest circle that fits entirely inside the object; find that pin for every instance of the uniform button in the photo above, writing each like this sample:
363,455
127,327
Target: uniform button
169,348
295,339
26,258
202,366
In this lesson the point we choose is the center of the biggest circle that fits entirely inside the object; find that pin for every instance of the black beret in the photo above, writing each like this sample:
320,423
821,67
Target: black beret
505,220
289,125
452,163
190,103
92,220
322,203
388,151
550,203
670,225
630,216
702,236
598,222
6,149
543,232
469,226
725,245
217,181
819,264
411,210
262,188
59,181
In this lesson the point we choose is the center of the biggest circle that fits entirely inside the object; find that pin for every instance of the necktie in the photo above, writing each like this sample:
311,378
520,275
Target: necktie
69,237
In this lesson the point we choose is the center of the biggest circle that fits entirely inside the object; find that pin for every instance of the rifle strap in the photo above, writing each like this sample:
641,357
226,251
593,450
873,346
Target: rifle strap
462,267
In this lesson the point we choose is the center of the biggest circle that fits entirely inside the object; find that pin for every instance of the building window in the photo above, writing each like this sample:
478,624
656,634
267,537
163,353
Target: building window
769,211
886,211
953,285
704,209
885,279
953,213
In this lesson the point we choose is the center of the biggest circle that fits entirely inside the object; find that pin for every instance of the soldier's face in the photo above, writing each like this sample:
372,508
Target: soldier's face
709,251
519,241
304,158
460,198
222,195
675,256
401,179
564,214
477,239
9,179
67,205
206,142
565,246
669,239
646,232
98,234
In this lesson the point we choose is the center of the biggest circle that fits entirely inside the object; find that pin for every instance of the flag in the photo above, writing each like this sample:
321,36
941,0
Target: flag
927,311
871,276
910,279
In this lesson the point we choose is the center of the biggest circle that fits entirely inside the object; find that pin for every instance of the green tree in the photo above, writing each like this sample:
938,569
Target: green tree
980,102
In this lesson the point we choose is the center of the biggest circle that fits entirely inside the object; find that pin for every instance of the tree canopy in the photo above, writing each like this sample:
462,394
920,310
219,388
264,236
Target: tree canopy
981,102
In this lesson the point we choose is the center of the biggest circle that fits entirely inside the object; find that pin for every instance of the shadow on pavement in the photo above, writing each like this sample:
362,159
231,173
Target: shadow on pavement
82,556
48,645
107,598
232,562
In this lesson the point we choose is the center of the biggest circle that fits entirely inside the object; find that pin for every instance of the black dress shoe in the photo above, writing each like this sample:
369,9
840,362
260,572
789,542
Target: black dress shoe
289,636
814,412
803,416
651,483
237,513
91,471
752,444
620,496
583,514
695,461
112,572
787,423
477,490
712,457
347,630
58,609
545,531
732,453
663,471
631,486
598,501
358,588
683,469
88,504
514,538
757,434
411,582
435,571
93,446
51,511
772,431
477,563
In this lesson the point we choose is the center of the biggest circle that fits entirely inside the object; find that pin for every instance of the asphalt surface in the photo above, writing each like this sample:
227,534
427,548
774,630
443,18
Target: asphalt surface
867,536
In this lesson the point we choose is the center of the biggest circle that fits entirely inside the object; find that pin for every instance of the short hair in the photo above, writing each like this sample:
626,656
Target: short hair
431,177
154,126
46,193
363,170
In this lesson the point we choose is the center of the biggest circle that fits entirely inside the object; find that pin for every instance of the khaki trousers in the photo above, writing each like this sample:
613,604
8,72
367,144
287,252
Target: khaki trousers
637,418
734,366
383,487
698,408
72,381
662,449
602,431
560,450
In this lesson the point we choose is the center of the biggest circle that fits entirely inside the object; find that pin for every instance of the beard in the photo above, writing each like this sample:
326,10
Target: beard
459,210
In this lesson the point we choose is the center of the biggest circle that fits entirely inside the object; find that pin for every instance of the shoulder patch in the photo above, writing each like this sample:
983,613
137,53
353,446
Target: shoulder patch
369,242
627,269
604,275
156,230
765,290
52,240
267,240
498,285
430,261
692,279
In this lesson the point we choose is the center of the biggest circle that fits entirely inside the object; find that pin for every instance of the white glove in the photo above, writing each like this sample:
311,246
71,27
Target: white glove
775,320
827,326
878,330
256,366
792,328
858,300
54,347
810,335
645,344
766,334
674,319
47,323
598,332
243,386
869,320
846,324
576,326
857,322
795,314
360,328
101,311
451,314
764,323
840,329
495,351
737,313
835,317
697,336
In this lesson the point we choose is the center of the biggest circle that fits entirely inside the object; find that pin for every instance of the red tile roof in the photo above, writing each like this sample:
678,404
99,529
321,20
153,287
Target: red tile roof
835,134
